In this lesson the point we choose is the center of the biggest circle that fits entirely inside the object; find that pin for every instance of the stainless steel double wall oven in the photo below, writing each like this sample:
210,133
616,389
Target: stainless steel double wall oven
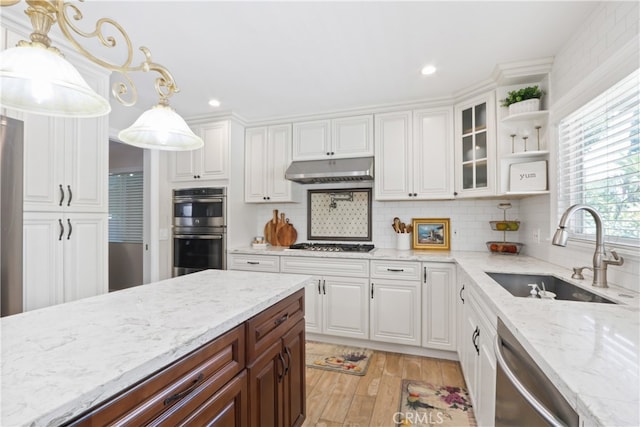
199,230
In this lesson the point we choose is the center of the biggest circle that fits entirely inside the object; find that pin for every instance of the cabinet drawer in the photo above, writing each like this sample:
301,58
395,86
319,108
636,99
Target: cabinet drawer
403,270
268,327
211,366
325,266
267,263
211,406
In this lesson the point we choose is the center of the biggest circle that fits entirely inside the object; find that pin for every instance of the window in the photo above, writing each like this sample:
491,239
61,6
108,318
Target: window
125,207
599,163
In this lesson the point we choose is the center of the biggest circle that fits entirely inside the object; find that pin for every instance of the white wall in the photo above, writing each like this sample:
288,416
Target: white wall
601,53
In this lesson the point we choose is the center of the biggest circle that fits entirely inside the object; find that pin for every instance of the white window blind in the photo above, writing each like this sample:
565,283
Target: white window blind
599,163
125,207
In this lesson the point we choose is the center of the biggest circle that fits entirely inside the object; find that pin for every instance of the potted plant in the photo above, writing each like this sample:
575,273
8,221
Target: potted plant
523,100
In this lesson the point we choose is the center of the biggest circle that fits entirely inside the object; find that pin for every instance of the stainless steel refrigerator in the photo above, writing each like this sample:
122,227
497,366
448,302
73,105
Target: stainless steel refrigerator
11,161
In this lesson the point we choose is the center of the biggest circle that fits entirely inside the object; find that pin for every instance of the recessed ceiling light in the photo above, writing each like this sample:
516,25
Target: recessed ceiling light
428,70
214,102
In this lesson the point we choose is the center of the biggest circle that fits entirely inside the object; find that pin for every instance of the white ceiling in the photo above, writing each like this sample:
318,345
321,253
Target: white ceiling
264,60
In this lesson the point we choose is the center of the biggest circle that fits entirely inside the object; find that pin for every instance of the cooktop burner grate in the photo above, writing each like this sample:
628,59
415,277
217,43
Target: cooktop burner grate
333,247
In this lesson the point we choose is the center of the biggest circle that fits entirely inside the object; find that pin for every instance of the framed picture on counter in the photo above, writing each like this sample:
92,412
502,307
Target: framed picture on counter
431,233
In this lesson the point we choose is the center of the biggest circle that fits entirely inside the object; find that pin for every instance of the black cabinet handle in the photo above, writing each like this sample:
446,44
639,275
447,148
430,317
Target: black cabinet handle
324,287
61,194
253,262
279,321
288,352
284,367
61,229
475,336
461,297
70,195
372,291
425,275
169,400
395,270
70,229
319,291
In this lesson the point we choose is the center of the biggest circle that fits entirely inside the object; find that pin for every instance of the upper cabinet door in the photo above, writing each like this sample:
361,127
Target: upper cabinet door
255,165
214,155
393,148
279,188
475,157
352,137
312,140
433,153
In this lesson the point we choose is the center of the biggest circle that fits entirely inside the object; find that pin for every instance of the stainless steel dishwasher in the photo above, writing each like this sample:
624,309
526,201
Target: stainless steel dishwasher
524,394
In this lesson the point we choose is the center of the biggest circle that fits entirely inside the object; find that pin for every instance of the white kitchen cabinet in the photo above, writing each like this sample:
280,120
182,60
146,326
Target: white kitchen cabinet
267,157
339,138
65,164
395,297
475,147
414,155
209,162
479,361
439,306
69,257
335,304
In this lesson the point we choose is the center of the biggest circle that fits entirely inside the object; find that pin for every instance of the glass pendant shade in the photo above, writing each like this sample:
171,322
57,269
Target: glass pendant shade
37,80
161,128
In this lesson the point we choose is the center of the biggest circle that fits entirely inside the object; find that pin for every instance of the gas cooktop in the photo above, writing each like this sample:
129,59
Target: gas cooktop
333,247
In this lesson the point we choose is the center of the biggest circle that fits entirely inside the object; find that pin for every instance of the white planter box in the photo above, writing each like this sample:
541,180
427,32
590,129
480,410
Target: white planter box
525,106
530,176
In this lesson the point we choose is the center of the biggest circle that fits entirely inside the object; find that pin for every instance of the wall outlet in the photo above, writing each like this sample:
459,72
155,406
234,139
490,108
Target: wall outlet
536,235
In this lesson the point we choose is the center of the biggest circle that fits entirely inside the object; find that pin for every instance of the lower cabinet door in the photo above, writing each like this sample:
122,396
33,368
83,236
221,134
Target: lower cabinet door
346,307
294,380
395,311
265,392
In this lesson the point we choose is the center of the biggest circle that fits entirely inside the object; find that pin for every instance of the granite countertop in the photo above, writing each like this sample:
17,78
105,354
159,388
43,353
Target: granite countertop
590,351
61,360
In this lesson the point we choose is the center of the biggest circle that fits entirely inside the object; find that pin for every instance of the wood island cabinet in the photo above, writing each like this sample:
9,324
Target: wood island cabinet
253,375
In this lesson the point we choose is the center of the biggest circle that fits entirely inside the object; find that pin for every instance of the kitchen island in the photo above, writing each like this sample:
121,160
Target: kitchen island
62,360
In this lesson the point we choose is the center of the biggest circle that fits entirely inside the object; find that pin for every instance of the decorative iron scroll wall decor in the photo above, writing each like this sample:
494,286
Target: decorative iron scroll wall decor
343,214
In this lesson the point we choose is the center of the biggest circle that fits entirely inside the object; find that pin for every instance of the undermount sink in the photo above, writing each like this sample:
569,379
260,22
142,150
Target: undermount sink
518,285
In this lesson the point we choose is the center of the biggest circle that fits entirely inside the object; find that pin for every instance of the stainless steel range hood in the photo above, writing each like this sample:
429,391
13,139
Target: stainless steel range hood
335,170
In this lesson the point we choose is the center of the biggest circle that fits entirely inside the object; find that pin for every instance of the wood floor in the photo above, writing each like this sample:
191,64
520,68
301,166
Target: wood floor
336,399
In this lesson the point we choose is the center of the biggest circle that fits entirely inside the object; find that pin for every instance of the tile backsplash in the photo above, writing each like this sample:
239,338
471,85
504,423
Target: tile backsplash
470,228
341,214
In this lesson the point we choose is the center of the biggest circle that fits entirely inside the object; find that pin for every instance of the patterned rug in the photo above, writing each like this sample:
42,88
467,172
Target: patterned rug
423,404
338,358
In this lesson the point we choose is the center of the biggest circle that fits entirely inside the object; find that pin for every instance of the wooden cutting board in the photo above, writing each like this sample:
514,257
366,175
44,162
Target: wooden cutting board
269,228
287,235
279,225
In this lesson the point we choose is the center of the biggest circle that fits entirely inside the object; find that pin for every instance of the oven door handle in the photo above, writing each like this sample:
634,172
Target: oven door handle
198,237
192,200
526,394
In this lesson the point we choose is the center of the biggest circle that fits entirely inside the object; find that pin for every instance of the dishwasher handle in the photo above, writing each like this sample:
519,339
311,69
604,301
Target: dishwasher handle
526,394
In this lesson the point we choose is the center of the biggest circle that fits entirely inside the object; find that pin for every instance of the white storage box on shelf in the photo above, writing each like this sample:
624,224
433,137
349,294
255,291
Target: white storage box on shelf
530,176
526,106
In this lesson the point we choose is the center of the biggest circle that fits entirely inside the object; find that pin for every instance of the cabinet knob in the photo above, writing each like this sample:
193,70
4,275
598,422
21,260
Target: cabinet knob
328,153
195,176
332,153
415,194
455,193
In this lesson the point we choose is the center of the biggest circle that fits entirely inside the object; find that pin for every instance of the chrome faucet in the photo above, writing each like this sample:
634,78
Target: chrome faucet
600,260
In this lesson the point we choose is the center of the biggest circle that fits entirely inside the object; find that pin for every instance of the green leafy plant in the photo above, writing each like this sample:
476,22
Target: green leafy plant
529,92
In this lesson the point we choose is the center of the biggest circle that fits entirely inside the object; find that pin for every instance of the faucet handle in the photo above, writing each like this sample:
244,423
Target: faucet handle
577,272
617,259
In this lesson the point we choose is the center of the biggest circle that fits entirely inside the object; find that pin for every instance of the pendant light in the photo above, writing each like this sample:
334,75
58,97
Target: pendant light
35,78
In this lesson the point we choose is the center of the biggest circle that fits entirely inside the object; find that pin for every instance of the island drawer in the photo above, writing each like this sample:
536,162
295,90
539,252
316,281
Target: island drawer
269,326
209,367
246,262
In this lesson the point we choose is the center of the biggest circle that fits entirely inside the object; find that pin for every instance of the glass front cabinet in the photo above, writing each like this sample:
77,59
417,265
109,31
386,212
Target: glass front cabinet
475,150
